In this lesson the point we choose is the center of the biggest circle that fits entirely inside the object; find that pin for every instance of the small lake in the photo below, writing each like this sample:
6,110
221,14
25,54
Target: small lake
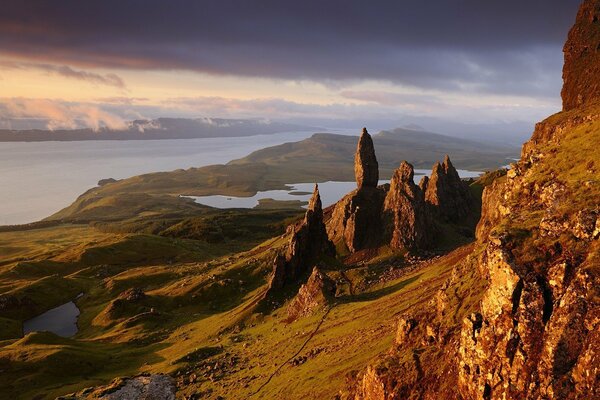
61,320
330,192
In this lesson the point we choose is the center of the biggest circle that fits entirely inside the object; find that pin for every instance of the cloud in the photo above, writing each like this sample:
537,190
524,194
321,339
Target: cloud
492,46
58,114
390,98
374,105
65,71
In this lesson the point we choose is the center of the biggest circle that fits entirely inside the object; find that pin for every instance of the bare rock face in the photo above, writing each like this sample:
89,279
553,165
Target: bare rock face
581,72
447,194
356,218
317,292
535,335
308,242
366,168
406,325
410,225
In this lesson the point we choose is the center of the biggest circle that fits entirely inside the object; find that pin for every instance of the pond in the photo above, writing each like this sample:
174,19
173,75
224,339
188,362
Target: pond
61,320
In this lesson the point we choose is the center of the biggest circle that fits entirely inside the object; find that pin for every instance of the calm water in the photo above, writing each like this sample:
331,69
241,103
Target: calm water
330,192
38,179
61,320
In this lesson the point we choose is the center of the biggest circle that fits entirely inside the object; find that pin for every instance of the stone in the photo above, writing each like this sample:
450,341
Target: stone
447,195
366,168
307,244
142,387
356,219
409,224
406,325
317,292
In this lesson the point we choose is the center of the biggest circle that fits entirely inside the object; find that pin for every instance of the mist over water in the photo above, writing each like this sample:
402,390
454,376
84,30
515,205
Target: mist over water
38,179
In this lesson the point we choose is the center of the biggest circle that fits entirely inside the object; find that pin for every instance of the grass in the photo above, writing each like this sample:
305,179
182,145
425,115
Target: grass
198,305
203,272
569,170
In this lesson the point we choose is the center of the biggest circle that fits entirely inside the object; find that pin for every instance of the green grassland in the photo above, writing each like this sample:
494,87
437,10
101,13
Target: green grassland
202,316
203,273
203,277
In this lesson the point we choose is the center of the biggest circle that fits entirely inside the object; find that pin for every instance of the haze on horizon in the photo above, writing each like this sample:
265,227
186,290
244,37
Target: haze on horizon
444,64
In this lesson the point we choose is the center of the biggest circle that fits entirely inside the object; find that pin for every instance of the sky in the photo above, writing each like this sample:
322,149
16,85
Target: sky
325,63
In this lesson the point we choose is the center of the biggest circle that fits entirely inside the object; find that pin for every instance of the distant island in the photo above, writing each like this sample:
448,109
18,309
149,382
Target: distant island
157,129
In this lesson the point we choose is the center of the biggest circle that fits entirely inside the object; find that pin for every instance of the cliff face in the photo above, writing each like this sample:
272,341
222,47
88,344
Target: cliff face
537,335
537,328
582,58
533,331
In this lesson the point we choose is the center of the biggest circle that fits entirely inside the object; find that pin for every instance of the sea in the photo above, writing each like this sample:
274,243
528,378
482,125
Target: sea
38,179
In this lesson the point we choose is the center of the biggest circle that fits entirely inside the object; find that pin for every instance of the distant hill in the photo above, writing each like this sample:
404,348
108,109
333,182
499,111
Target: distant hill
322,157
422,149
161,128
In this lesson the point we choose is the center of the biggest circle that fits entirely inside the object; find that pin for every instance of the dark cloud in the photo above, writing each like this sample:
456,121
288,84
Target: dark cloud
499,46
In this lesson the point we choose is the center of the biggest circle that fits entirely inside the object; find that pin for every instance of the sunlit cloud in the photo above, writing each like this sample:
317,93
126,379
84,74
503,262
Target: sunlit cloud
109,79
59,115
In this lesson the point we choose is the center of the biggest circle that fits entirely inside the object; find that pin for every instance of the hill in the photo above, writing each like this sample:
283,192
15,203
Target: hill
157,129
322,157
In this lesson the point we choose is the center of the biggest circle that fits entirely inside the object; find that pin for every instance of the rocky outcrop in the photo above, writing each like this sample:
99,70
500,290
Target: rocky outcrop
406,325
535,336
316,293
447,195
536,332
400,214
529,294
307,244
356,219
410,225
366,168
581,71
143,387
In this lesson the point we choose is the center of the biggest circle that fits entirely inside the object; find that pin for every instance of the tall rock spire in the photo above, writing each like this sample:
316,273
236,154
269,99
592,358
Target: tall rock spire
409,226
447,194
366,168
315,204
581,72
307,244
